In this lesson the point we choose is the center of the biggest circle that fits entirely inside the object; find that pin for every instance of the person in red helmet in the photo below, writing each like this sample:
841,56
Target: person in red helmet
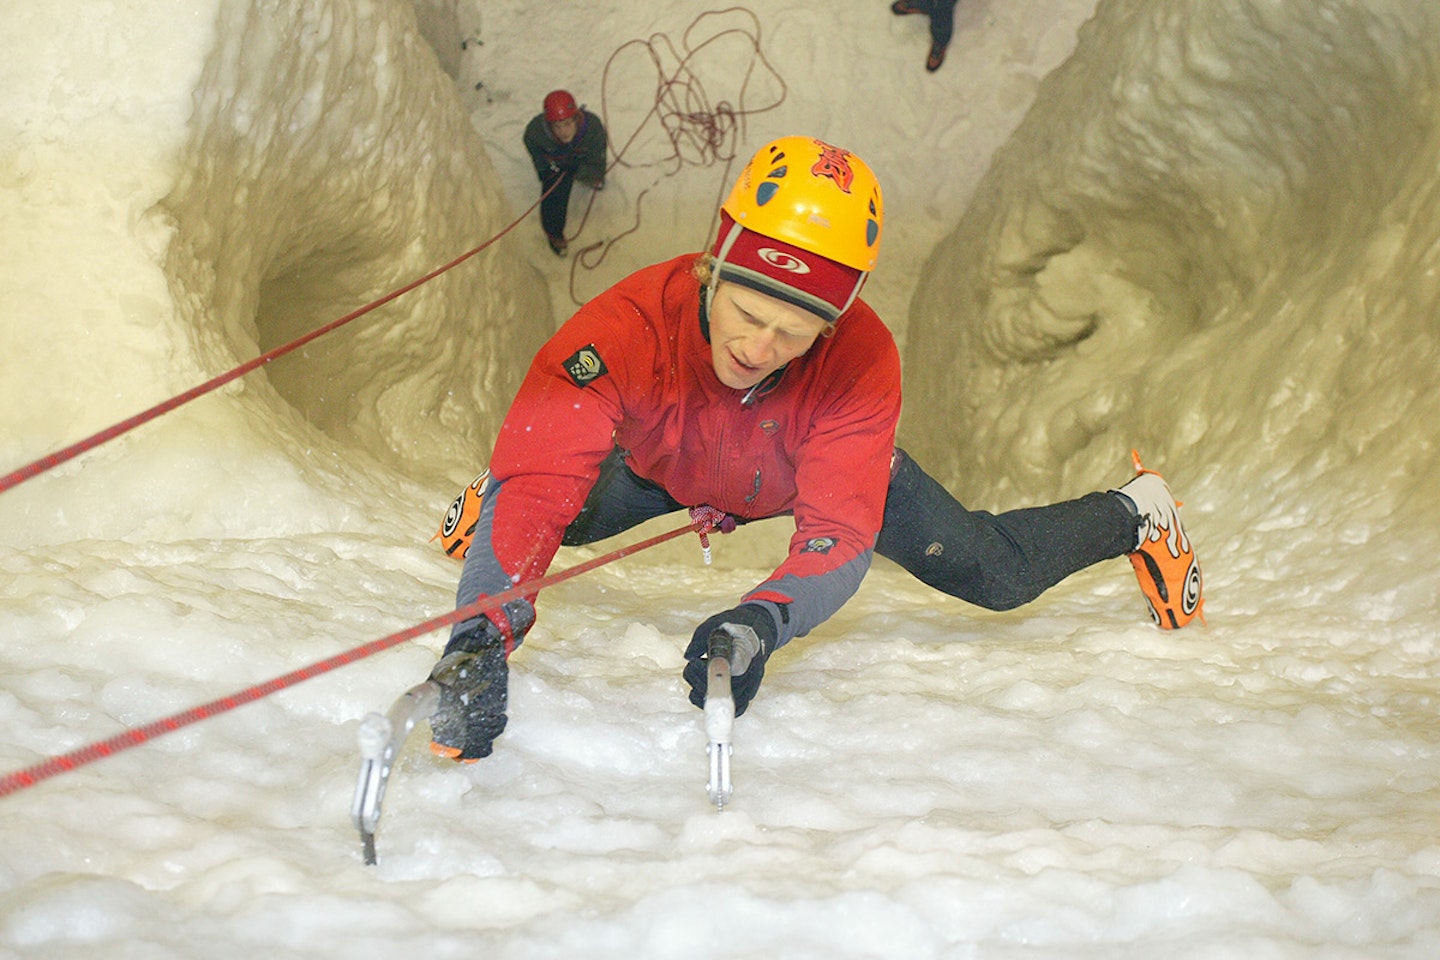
748,382
566,143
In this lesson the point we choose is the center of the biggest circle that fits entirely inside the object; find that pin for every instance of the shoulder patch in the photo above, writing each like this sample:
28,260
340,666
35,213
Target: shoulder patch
585,366
819,545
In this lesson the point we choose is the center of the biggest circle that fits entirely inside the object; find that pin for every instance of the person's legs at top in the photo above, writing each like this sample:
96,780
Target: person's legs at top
942,27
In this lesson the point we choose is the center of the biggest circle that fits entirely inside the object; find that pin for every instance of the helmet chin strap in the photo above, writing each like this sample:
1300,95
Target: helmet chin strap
765,386
855,292
706,293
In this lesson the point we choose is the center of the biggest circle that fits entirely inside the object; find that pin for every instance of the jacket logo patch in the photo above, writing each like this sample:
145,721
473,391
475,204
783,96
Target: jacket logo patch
769,427
585,366
819,545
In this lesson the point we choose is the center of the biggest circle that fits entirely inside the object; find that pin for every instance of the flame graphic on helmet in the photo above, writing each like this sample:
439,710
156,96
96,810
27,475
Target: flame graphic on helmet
834,164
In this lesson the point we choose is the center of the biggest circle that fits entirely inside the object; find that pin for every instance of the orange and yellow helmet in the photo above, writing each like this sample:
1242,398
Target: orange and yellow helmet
813,195
802,223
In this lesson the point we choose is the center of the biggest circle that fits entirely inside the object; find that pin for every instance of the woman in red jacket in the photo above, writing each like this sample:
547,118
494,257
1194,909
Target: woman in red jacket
753,381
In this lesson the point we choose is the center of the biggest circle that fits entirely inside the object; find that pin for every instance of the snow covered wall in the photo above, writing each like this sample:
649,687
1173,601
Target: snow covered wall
298,162
335,116
1214,237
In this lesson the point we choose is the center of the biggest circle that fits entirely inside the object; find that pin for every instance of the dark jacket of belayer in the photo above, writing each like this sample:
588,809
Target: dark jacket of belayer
584,156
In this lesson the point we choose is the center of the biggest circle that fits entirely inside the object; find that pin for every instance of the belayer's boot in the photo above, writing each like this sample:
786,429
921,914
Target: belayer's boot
936,57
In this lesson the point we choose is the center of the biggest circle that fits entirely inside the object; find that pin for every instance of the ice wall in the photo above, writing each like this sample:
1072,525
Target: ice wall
89,131
258,170
329,164
1215,237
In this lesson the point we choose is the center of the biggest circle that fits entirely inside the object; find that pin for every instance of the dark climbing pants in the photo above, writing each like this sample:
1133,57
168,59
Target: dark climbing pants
996,561
555,207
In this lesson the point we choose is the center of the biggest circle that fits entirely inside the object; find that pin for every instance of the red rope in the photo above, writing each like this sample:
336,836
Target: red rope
135,736
689,121
699,131
16,477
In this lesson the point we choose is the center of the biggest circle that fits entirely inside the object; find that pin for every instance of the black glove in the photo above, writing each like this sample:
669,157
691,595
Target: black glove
743,685
473,677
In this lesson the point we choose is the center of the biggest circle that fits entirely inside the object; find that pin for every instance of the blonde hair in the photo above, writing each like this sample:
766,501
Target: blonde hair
703,269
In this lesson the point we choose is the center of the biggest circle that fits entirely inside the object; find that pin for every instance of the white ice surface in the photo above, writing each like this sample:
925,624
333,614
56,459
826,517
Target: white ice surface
1235,201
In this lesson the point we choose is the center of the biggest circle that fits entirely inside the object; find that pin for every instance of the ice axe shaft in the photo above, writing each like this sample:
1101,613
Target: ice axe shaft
729,647
382,736
719,716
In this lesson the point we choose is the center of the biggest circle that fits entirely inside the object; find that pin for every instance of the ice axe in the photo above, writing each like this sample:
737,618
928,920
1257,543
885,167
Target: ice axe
728,648
382,736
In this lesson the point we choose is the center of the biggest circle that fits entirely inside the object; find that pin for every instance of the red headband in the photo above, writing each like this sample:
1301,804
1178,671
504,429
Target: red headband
784,271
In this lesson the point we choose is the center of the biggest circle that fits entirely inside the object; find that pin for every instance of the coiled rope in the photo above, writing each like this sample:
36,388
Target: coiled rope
700,132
